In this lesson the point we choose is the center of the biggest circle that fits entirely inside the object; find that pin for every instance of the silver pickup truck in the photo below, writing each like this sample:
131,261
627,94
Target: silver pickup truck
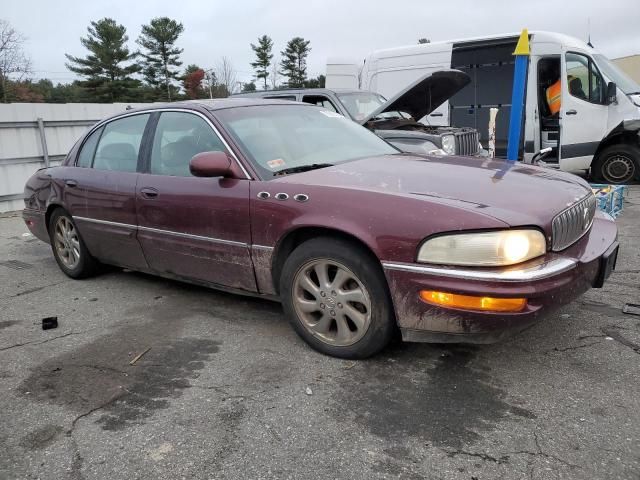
397,120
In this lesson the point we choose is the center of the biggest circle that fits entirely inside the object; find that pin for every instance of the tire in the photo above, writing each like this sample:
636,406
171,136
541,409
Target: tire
68,248
617,164
352,316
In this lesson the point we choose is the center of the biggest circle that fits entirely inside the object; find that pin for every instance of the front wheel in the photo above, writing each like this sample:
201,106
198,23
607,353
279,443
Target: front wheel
336,298
617,164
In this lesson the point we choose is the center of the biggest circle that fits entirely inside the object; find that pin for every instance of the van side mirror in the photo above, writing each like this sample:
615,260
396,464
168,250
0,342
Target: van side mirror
612,91
211,164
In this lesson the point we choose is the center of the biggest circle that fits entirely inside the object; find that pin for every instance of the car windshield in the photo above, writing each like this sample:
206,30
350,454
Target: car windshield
361,104
279,137
613,73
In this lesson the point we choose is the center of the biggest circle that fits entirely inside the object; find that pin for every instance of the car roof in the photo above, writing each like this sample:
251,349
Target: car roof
261,93
208,104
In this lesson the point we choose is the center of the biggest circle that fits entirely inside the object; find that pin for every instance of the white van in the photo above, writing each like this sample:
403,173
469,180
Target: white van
596,129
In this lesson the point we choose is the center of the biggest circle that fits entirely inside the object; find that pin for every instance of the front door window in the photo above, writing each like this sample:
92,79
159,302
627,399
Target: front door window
179,136
583,79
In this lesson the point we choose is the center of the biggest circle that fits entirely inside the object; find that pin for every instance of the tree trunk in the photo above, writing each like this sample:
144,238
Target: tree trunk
165,58
166,79
4,88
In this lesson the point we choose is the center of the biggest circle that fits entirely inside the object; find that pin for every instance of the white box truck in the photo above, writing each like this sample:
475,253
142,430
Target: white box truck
597,127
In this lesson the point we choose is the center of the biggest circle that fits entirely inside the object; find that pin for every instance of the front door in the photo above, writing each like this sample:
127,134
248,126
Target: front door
583,112
189,227
104,206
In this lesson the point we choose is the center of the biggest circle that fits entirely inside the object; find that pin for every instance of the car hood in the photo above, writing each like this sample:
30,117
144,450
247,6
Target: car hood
425,95
515,194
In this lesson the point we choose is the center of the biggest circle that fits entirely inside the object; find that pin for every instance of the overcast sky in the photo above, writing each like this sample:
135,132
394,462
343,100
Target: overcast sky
345,28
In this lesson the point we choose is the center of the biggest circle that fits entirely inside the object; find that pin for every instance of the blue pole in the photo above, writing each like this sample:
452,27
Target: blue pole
517,97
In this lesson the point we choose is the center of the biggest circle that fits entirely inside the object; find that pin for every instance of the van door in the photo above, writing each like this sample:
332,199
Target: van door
583,113
489,64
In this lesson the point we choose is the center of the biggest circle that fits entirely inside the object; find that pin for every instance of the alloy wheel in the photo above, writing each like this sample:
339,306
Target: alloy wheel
67,243
331,302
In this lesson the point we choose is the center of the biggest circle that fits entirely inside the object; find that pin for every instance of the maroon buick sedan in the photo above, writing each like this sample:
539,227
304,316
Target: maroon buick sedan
296,203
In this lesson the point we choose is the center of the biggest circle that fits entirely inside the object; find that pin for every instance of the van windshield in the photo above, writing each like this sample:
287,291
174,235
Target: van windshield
613,73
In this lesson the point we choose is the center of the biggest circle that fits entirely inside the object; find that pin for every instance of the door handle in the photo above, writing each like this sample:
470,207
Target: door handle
148,192
436,114
71,183
571,112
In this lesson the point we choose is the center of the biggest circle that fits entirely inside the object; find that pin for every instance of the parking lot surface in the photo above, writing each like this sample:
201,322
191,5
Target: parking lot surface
226,390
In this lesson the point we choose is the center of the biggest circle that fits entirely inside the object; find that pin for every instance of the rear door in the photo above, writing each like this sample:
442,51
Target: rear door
190,227
583,113
104,205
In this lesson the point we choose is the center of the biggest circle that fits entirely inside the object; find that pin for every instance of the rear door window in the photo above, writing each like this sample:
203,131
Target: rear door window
320,101
119,145
282,97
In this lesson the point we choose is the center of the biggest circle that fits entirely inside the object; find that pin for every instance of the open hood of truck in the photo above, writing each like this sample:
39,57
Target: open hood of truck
425,95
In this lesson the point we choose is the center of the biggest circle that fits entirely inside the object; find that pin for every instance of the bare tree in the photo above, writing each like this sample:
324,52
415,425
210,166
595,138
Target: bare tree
210,76
13,60
274,73
226,75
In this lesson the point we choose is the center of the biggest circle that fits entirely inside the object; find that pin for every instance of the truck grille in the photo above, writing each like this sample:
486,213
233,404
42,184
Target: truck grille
571,224
467,143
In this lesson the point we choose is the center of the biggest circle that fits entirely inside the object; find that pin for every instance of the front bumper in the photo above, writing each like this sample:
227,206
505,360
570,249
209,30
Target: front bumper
548,283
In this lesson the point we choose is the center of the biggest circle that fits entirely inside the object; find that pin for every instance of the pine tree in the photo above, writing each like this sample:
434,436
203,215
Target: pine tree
294,61
263,57
249,87
158,39
105,70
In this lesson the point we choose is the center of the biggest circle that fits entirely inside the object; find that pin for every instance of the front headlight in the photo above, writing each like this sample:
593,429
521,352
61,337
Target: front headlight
449,144
485,249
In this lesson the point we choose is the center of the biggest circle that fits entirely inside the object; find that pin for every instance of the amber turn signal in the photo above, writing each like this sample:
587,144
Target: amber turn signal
468,302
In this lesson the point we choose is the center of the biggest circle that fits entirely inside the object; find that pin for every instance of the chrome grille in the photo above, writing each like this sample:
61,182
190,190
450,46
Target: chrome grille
467,143
571,224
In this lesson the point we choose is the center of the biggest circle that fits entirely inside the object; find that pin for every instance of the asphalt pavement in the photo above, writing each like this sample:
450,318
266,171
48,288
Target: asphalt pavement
224,389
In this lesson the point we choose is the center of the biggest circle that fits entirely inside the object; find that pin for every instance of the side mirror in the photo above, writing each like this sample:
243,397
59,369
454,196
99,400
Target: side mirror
612,91
210,164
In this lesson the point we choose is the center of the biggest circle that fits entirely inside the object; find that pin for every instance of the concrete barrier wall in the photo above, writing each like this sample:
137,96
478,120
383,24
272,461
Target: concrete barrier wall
35,135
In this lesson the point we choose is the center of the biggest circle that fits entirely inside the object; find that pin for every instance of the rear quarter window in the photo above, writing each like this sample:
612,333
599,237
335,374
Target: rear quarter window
88,149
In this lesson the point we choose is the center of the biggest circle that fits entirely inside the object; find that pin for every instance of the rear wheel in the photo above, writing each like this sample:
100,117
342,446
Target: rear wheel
69,250
336,298
617,164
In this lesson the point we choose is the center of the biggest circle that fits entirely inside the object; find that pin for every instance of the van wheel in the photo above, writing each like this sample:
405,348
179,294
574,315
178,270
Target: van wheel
617,164
69,249
336,298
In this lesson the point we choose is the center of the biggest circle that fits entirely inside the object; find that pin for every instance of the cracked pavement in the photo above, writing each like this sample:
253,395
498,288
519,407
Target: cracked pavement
222,392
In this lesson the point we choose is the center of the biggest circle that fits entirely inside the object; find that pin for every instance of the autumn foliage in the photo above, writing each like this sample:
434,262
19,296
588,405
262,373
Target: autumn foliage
193,83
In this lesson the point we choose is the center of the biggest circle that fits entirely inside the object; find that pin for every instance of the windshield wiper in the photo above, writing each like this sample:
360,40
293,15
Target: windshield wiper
302,168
